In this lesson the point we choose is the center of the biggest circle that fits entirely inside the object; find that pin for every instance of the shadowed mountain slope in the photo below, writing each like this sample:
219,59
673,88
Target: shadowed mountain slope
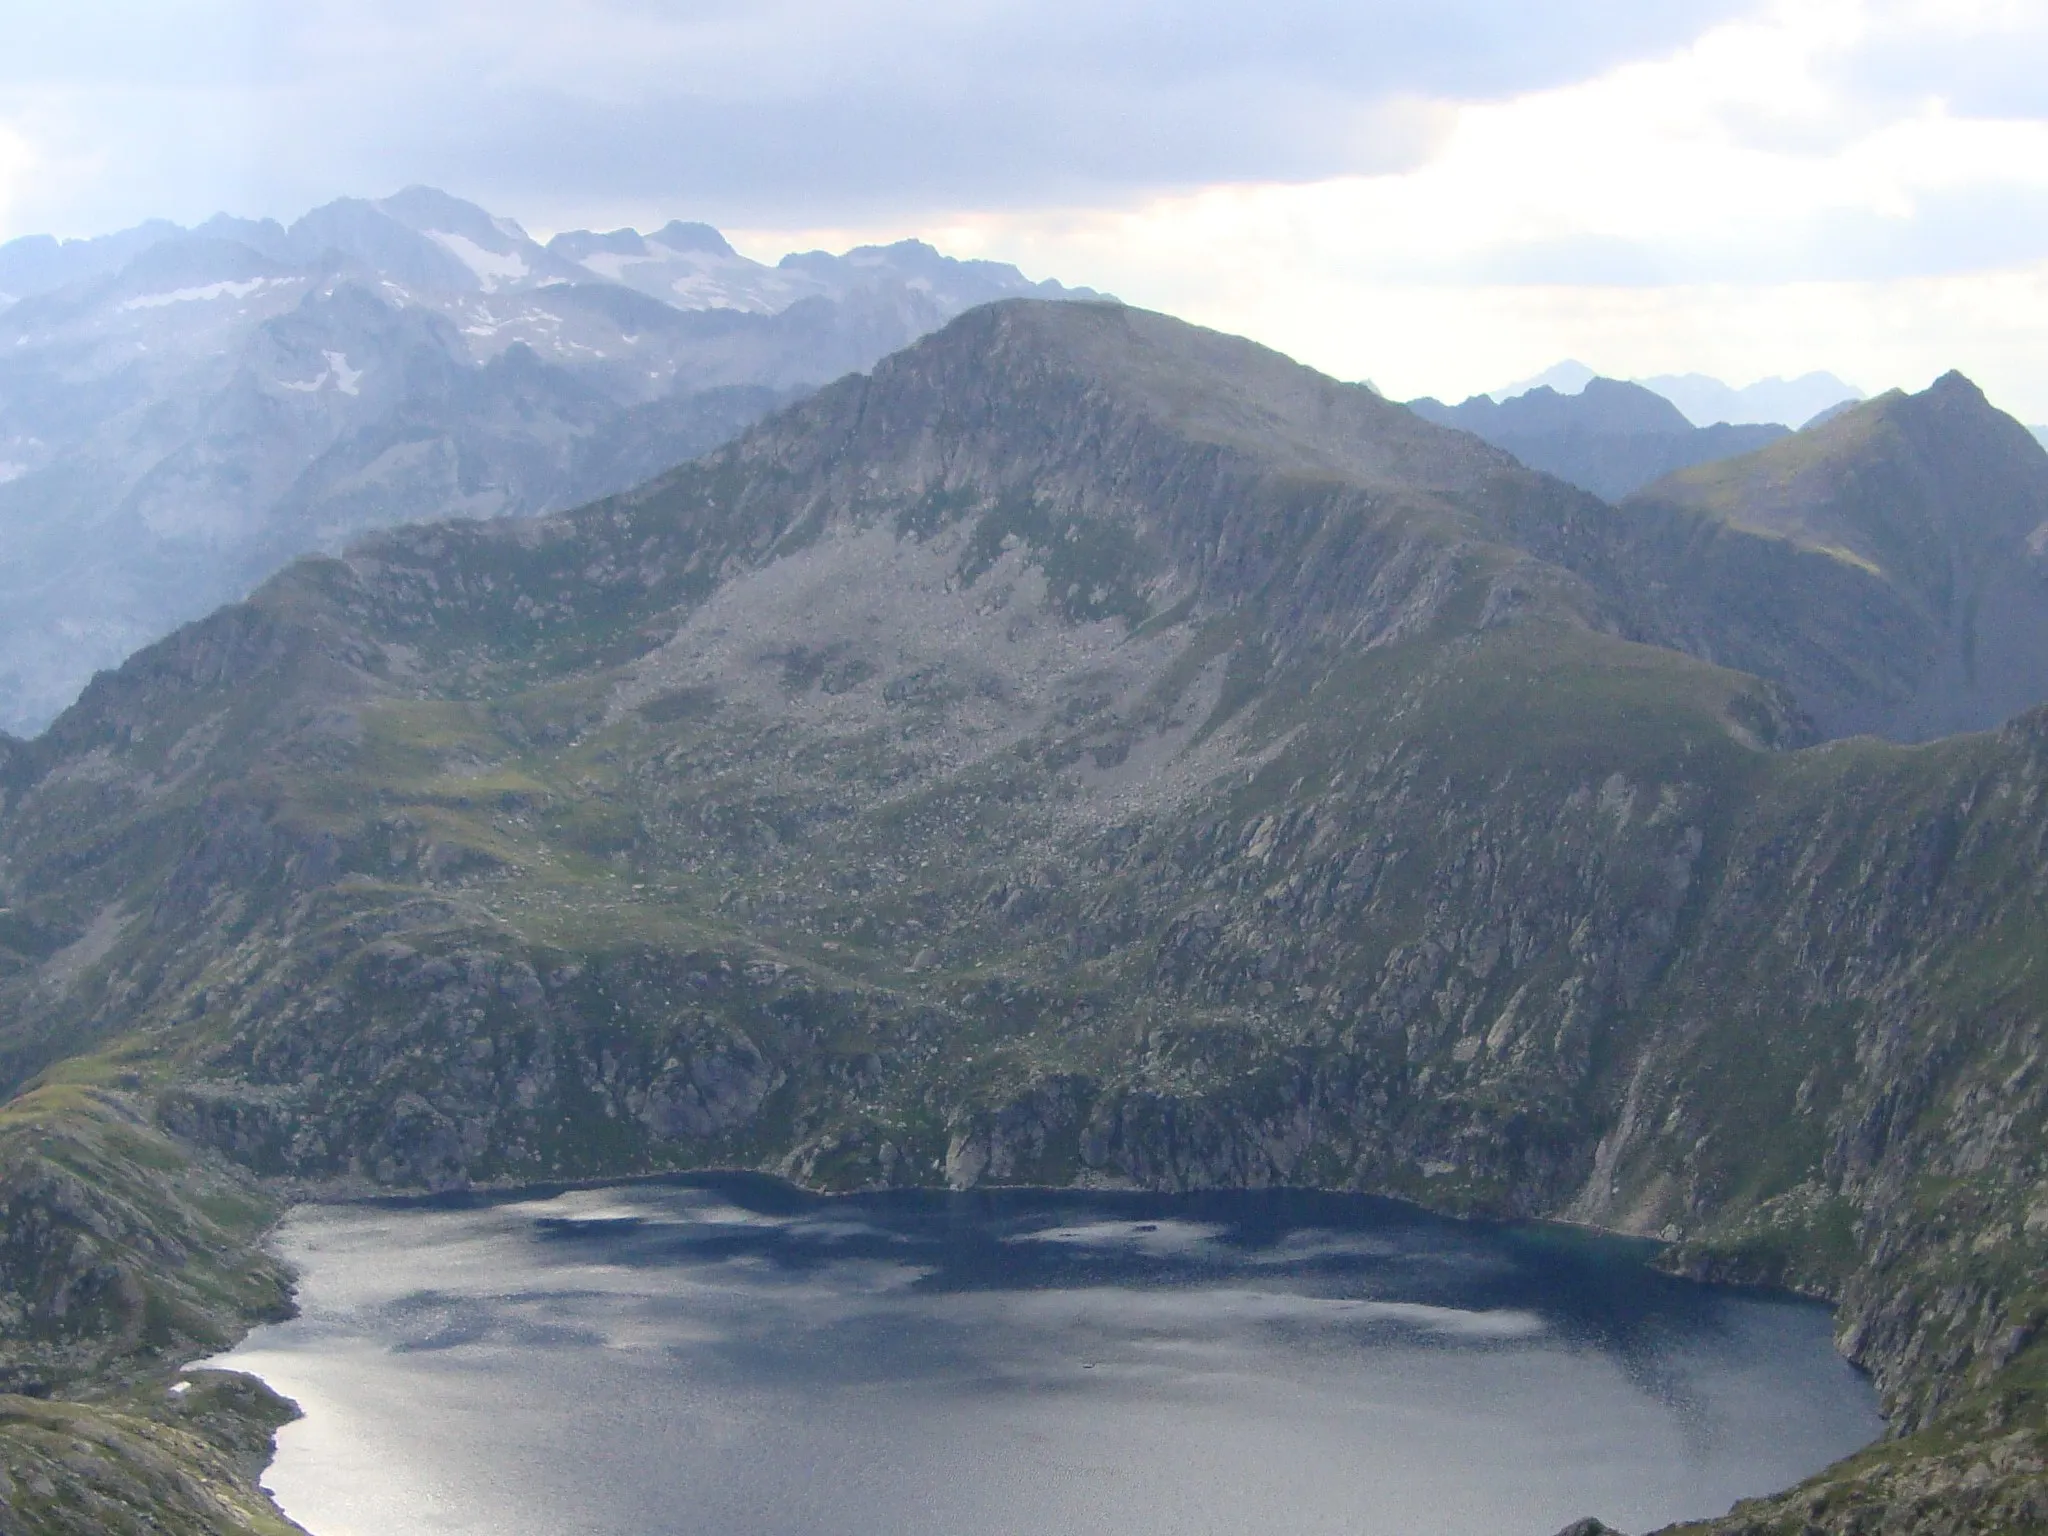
1902,584
1610,438
1087,747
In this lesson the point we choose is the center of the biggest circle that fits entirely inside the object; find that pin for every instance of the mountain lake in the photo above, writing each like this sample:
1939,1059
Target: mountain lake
730,1355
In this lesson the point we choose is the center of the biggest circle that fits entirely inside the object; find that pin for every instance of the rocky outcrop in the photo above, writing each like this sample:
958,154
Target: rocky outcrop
122,1256
183,1465
118,1245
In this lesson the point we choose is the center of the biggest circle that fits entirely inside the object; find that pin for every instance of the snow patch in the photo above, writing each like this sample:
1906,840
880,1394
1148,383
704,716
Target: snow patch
9,470
492,269
239,290
346,379
762,294
609,265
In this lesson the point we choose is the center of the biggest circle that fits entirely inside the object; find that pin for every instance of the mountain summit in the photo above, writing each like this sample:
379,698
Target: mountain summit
1914,529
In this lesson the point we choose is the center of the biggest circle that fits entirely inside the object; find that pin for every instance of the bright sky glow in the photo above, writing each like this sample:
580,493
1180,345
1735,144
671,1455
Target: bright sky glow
1735,207
1439,198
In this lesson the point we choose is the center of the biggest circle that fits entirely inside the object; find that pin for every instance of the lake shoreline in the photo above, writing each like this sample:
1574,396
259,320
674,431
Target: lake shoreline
828,1208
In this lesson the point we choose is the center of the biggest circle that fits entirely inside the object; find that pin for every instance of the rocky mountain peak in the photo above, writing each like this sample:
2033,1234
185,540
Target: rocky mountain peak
1955,384
991,386
1903,481
680,236
1930,509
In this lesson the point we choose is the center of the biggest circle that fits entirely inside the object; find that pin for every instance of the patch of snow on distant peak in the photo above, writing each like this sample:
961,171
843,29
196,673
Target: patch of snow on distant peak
609,265
239,290
346,379
492,269
11,471
761,291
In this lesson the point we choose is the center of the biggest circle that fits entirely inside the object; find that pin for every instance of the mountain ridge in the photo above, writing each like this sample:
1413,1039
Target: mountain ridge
1610,437
1918,521
1706,401
1085,747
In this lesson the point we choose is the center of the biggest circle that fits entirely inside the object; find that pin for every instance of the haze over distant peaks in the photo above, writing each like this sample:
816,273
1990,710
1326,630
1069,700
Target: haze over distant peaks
182,411
1607,436
1707,401
1566,378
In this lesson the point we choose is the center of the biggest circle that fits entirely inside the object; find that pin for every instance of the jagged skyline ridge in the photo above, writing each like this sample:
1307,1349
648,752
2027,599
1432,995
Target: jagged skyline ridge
691,264
182,412
1707,401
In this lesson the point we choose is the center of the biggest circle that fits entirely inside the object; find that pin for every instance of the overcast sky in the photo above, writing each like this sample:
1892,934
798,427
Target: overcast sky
1438,194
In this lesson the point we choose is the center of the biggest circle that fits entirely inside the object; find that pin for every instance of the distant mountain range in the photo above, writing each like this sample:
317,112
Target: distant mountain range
1609,437
184,410
1707,401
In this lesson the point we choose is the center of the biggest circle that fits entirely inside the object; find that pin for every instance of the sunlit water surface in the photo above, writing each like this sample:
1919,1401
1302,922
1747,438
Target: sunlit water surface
730,1357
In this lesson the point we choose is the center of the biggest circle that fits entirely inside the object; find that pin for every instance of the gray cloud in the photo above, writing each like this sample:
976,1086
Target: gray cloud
777,112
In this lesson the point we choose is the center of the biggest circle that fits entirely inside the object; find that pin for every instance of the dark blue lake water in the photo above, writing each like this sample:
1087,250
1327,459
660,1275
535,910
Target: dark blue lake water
731,1357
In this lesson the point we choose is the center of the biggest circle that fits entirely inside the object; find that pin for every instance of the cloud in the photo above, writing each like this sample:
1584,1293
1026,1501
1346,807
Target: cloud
1439,197
17,163
777,111
1758,201
1979,58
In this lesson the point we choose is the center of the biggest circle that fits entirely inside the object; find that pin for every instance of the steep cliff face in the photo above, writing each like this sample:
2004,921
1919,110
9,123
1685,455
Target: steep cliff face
1088,749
